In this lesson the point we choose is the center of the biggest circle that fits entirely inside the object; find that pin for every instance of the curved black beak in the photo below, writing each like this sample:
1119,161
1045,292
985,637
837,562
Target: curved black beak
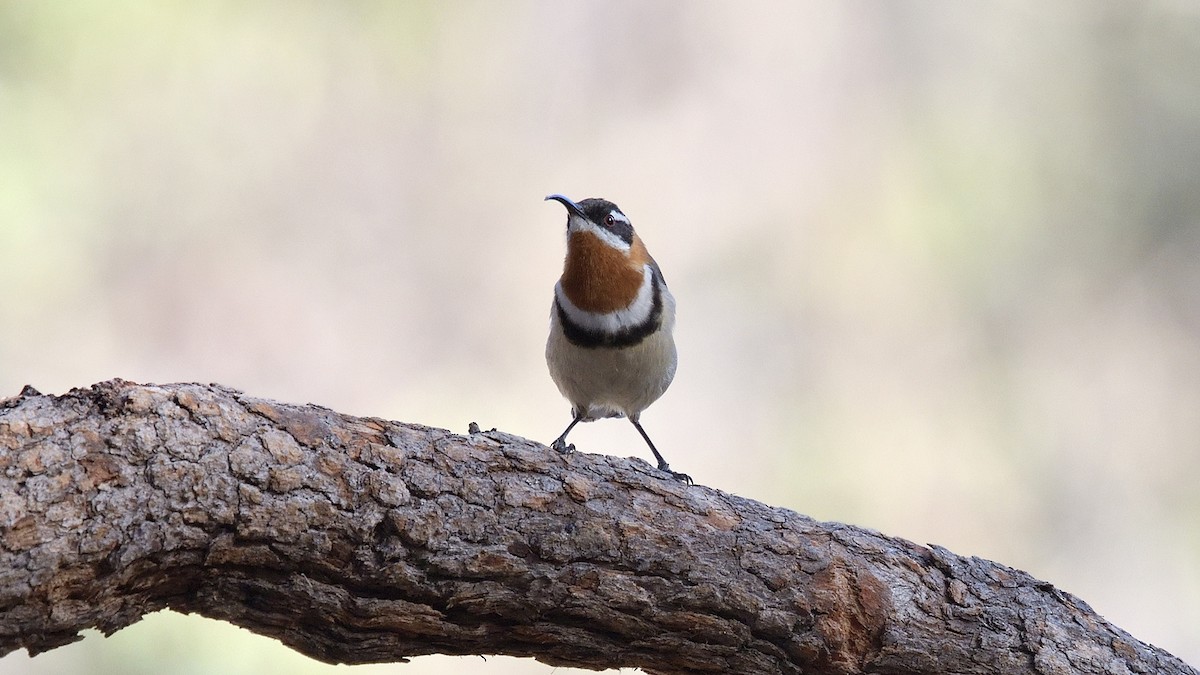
571,206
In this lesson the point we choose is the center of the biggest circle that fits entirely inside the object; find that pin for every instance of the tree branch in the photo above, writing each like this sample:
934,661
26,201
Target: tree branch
361,540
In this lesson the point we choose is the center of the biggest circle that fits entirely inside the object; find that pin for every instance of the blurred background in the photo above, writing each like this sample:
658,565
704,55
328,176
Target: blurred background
937,263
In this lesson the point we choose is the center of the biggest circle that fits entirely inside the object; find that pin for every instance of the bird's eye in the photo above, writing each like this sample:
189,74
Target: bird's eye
608,220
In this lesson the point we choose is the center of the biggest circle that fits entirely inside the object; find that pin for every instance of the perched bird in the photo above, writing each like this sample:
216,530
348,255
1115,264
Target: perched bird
610,349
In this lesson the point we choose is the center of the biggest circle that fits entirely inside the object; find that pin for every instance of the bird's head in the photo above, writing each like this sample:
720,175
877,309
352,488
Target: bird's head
599,218
606,261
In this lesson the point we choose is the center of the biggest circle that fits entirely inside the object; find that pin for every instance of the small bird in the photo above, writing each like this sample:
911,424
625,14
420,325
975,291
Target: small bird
610,350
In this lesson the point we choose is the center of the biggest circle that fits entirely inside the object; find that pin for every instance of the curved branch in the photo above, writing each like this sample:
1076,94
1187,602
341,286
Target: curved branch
361,540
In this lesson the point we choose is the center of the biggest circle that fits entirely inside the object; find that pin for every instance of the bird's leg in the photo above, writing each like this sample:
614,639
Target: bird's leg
662,463
560,443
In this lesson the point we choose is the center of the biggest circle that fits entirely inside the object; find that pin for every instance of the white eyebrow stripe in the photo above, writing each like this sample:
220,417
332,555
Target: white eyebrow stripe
617,215
577,224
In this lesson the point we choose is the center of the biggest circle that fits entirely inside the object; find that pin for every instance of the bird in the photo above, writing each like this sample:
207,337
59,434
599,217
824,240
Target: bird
611,349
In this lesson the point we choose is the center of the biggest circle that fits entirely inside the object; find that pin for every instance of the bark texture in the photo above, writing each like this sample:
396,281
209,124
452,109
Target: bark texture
362,540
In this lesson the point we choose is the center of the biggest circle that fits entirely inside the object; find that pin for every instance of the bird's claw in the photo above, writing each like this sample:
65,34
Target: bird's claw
675,474
561,446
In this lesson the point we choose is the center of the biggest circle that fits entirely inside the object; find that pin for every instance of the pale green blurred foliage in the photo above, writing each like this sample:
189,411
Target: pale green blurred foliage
936,263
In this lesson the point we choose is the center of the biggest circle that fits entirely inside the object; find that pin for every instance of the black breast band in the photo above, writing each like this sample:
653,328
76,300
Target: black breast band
629,336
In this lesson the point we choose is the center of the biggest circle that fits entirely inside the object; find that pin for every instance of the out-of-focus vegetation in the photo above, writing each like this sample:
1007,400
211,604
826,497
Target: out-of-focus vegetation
938,264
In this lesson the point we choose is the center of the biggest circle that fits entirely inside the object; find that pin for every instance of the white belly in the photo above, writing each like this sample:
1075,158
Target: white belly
601,381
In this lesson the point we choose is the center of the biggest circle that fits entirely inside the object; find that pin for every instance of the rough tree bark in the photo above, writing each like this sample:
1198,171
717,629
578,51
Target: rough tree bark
362,540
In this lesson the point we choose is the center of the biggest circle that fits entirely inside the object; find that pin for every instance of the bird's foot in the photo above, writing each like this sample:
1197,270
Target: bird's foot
675,474
561,446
